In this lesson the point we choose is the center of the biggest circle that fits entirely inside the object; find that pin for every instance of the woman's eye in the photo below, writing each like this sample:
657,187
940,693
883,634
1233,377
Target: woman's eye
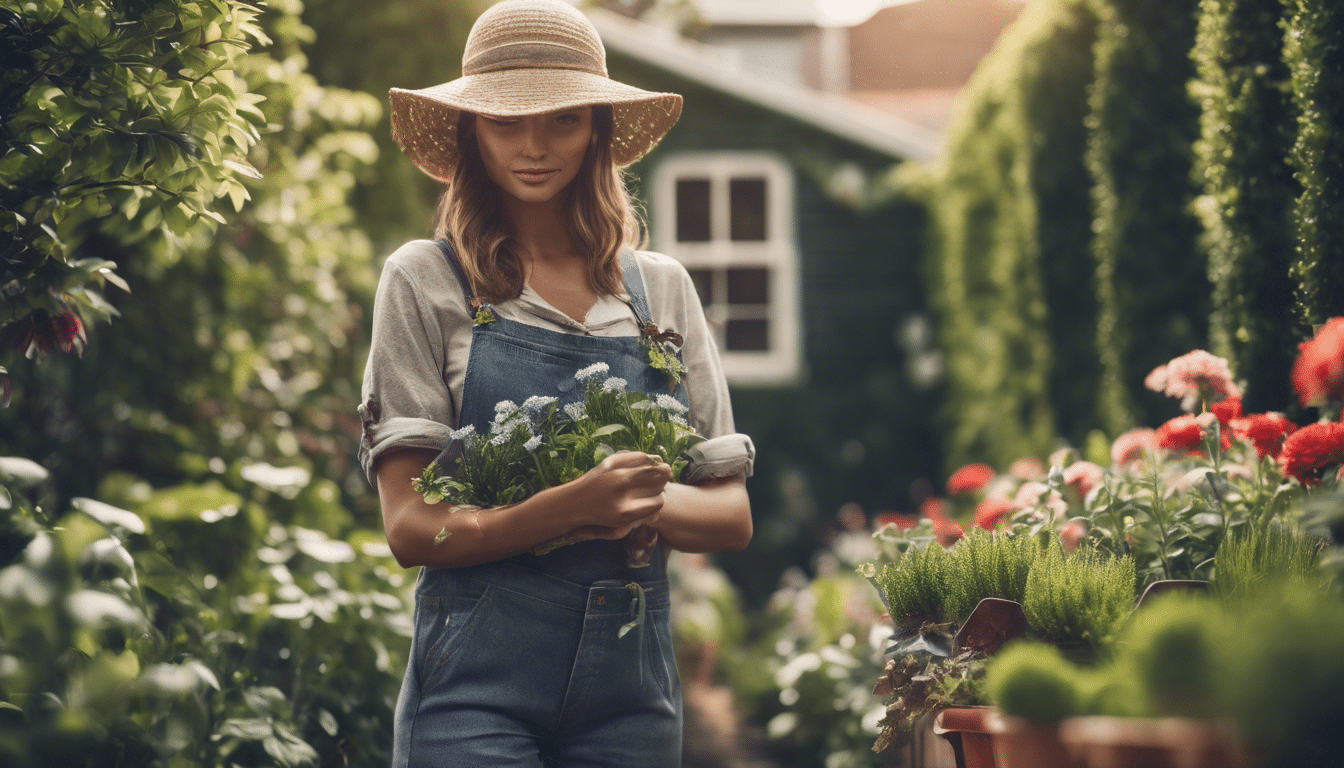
503,123
568,119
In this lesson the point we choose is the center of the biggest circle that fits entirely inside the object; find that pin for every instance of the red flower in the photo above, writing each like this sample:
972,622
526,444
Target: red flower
1027,468
971,477
944,528
1265,431
1185,433
1318,374
991,512
1226,410
1311,450
902,522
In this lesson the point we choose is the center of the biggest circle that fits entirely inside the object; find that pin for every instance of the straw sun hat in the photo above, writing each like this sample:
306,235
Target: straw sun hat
527,57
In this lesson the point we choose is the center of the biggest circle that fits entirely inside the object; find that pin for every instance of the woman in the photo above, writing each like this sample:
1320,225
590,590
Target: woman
524,659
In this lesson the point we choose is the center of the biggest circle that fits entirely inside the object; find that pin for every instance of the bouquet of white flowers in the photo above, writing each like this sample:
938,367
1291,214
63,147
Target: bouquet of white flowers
539,445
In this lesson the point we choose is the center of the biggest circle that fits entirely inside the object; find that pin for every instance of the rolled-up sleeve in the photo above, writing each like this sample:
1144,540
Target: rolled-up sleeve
405,401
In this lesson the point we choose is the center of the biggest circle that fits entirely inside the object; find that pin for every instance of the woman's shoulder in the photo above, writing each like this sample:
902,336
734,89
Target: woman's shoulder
419,259
662,273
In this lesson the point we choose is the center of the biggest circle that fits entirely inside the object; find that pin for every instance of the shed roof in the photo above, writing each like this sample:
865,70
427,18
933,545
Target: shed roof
716,69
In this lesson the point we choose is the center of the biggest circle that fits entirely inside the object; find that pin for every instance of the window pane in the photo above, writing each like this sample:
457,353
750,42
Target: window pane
749,286
692,210
747,336
704,284
747,204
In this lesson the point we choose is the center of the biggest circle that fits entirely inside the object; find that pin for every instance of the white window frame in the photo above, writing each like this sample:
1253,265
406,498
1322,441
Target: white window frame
781,364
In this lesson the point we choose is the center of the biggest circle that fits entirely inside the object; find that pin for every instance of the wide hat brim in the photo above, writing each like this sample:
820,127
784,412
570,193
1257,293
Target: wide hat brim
424,121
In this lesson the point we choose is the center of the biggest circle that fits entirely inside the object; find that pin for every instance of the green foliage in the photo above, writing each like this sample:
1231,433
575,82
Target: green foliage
983,564
1033,681
1283,676
1314,52
537,446
119,648
1151,277
1078,599
235,347
915,585
107,108
1248,190
1173,649
1255,553
1011,268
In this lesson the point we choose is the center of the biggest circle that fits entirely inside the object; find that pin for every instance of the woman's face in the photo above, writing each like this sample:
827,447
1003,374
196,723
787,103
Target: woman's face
532,158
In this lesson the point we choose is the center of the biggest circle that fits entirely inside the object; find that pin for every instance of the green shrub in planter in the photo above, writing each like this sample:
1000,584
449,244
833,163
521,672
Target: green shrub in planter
1248,557
1033,681
1170,648
1078,599
1284,676
914,586
983,565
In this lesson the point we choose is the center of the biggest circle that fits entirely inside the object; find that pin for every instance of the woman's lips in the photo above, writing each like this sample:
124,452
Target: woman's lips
532,176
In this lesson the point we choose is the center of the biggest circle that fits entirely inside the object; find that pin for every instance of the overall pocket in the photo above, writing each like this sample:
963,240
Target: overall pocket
443,623
659,655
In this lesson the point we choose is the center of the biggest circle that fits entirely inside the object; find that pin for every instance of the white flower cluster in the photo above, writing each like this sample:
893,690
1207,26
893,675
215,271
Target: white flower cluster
596,369
577,411
614,384
669,403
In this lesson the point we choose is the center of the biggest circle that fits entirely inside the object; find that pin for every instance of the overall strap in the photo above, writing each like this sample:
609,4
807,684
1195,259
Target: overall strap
461,274
634,285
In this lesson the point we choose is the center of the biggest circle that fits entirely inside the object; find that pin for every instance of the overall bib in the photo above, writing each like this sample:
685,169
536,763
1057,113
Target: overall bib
521,662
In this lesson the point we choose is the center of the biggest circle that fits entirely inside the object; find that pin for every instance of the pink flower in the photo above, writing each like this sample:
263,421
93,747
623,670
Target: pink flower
1083,475
1192,377
945,529
1030,496
1133,446
971,477
990,514
1318,374
1071,535
1026,468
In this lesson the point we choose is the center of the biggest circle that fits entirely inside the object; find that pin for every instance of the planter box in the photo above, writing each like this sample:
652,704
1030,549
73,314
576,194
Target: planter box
1122,742
1020,743
966,730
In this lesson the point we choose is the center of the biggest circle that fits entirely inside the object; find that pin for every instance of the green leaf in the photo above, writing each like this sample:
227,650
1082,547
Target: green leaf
609,429
25,473
245,728
111,518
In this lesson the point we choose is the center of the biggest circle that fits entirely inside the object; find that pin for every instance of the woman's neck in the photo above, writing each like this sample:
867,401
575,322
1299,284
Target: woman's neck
540,230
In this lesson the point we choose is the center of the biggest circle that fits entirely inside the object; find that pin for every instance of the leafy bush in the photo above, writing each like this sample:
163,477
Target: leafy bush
1253,554
1033,681
119,649
1173,648
915,586
1078,599
984,564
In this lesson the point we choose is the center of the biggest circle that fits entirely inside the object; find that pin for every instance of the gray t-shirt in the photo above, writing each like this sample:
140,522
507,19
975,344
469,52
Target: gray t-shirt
413,381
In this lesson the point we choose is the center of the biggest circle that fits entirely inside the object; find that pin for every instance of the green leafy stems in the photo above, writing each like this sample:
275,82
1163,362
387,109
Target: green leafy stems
539,445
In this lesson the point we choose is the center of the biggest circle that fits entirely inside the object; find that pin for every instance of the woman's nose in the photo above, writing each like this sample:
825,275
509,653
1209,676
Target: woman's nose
534,141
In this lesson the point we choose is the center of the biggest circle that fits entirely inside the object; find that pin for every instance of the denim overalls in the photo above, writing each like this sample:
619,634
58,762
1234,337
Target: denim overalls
518,662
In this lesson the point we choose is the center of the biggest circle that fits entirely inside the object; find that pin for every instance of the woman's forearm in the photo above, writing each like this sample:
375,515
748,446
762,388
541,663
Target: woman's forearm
441,535
710,517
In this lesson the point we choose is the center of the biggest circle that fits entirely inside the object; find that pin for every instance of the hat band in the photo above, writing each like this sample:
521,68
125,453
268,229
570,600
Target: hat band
532,56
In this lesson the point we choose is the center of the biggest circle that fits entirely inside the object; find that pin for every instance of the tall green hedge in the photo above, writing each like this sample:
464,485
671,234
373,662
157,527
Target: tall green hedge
1011,273
1314,51
1152,281
1245,135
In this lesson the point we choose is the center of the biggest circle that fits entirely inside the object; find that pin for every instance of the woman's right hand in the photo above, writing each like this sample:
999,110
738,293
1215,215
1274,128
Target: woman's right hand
622,492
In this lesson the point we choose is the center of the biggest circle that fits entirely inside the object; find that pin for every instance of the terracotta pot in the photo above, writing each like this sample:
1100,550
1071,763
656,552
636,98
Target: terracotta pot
966,729
1020,743
1130,742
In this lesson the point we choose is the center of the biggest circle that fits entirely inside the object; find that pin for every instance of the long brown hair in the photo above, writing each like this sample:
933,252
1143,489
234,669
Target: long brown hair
602,217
